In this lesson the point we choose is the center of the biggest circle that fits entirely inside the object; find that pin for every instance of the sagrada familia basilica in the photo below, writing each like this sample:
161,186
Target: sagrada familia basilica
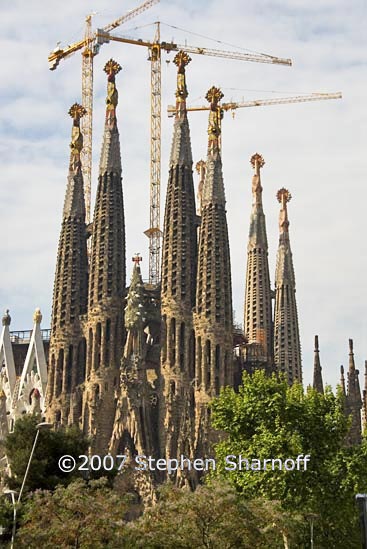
135,367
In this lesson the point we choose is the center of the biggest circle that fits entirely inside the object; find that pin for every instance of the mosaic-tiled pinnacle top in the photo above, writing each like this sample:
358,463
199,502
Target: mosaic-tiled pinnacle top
257,233
181,143
110,155
74,204
284,269
213,188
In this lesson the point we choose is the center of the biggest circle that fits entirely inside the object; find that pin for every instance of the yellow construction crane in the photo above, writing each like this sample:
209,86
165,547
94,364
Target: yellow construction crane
90,49
155,48
232,106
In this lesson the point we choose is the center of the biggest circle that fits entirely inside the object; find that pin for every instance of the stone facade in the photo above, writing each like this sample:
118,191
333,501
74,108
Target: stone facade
136,367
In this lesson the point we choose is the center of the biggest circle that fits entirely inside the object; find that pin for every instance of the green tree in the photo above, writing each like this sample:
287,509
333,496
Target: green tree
44,472
267,419
212,517
85,515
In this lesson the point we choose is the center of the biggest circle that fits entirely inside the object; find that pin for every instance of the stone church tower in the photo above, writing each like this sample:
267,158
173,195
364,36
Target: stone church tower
67,345
353,401
287,347
317,370
258,323
104,325
213,317
179,263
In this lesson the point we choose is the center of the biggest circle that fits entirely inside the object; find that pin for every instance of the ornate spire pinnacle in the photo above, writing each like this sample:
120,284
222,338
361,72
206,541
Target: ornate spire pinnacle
283,197
257,237
257,162
181,60
352,366
6,318
213,187
201,170
111,68
74,199
37,317
181,144
110,156
317,375
213,96
76,112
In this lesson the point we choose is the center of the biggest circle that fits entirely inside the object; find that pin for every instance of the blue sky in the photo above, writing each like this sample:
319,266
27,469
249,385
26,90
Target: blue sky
317,150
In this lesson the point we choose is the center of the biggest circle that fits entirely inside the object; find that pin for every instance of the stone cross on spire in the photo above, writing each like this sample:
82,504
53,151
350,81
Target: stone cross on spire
137,259
181,60
213,96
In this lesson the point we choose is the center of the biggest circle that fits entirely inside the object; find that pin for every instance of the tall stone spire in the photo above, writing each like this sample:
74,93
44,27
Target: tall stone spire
287,347
317,370
342,381
258,326
213,312
353,399
178,273
107,282
67,344
364,400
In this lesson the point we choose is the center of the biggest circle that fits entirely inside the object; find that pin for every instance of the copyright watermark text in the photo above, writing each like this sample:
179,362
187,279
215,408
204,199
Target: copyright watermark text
68,464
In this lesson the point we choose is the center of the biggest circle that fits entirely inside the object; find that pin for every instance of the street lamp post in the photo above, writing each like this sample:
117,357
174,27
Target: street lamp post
311,517
39,427
361,500
12,494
